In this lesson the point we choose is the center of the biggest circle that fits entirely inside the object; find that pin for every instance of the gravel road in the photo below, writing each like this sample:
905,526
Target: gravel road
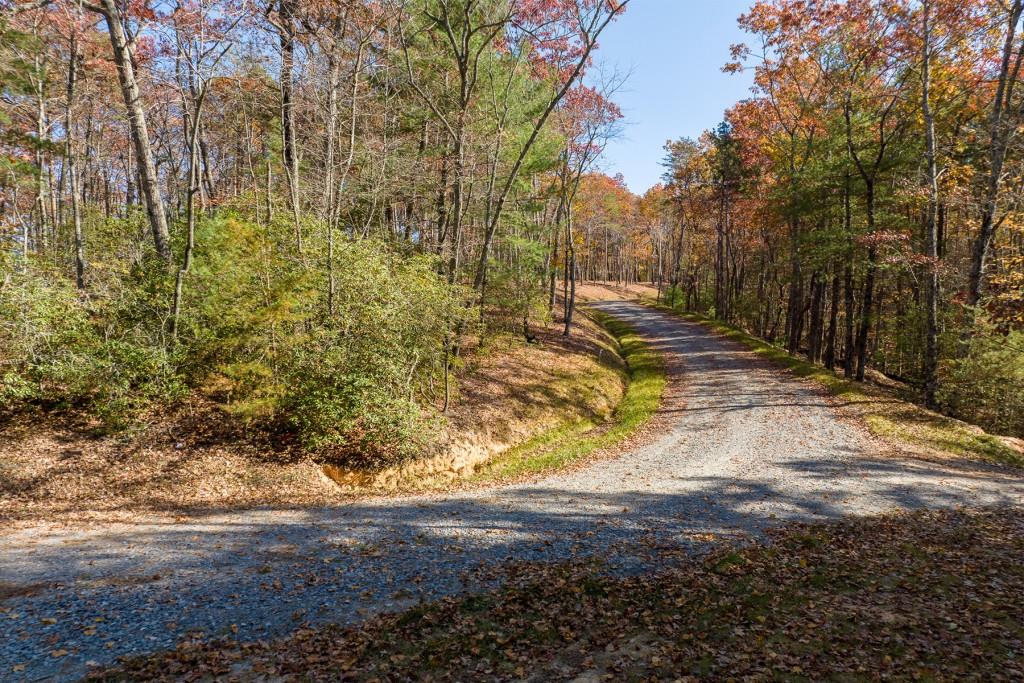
740,446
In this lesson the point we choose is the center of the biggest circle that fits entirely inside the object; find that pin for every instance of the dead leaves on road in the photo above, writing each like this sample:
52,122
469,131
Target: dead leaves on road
922,596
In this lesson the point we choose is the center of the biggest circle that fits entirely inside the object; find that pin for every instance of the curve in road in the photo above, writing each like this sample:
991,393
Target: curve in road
741,446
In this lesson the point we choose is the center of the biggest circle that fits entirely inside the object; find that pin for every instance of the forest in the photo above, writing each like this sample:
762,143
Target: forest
862,207
363,340
300,211
308,212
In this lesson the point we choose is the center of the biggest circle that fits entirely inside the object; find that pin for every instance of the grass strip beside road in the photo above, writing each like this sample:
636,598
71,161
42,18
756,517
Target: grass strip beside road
578,438
886,415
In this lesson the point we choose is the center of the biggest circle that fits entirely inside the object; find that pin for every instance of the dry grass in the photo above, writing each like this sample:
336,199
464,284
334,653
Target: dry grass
54,470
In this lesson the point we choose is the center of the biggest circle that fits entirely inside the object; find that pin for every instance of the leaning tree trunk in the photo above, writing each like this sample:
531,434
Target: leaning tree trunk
148,179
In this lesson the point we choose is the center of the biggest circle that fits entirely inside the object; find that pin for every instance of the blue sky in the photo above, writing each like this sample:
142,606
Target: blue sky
675,50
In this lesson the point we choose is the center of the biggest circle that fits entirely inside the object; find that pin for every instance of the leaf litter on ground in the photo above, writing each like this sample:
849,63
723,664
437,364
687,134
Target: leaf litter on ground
920,596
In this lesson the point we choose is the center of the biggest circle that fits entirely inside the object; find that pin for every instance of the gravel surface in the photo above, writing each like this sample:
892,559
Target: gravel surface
740,446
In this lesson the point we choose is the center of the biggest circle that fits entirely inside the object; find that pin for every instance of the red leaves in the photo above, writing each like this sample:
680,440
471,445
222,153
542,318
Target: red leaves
557,33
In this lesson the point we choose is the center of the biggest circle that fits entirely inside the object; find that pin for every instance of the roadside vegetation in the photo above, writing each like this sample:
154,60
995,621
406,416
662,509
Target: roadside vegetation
887,411
516,408
906,597
577,438
295,220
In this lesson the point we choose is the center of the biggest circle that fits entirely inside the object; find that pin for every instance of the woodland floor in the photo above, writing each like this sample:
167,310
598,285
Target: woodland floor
923,596
740,448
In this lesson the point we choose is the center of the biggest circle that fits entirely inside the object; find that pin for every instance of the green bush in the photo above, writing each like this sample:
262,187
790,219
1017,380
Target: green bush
352,375
62,349
47,343
355,386
986,386
518,292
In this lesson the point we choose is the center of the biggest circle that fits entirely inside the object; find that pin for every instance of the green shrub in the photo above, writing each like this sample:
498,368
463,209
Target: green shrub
61,348
986,386
355,386
47,342
517,292
352,375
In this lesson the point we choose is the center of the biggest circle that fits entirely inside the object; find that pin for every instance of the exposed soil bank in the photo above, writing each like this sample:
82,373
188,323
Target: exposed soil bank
53,471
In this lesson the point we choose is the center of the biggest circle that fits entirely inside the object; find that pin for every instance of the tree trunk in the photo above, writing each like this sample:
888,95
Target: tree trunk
869,287
816,333
42,184
865,316
570,247
999,139
148,179
194,183
286,31
794,315
931,242
833,323
72,162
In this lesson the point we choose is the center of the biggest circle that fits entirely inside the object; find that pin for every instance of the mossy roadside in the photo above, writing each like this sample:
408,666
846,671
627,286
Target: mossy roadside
577,438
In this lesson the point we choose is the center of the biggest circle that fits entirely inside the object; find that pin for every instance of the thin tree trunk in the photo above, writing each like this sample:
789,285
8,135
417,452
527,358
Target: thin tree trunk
286,32
194,182
817,305
869,289
72,163
42,190
570,247
931,346
998,143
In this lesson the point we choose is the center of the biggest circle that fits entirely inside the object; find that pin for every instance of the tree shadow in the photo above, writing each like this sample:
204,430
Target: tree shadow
258,568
